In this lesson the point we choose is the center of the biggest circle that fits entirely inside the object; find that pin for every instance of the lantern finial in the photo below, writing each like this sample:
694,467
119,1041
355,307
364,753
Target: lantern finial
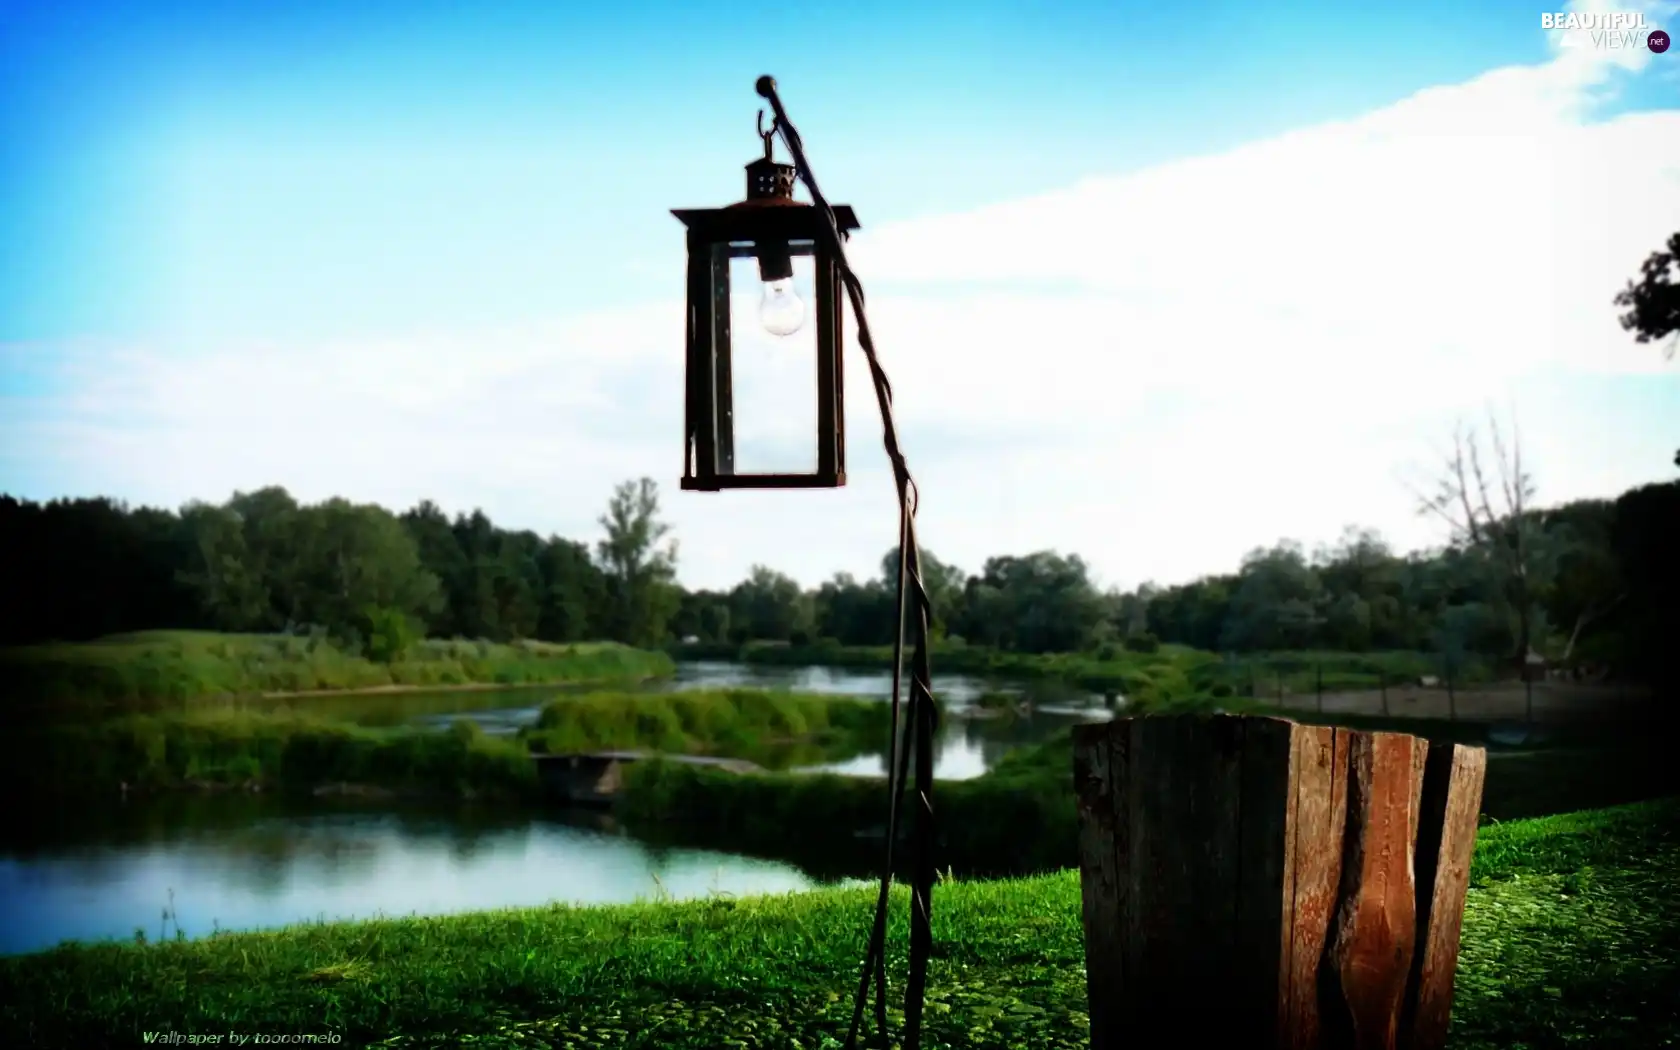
766,179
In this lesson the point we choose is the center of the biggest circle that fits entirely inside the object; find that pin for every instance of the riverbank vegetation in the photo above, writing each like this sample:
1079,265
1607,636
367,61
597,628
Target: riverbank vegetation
288,749
1569,936
153,668
1019,817
775,729
1016,818
1146,675
1009,821
1586,587
217,749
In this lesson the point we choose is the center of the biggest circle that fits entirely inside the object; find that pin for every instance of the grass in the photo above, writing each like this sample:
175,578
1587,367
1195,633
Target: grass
1572,932
774,728
1304,671
229,748
132,671
1570,938
1143,677
1170,673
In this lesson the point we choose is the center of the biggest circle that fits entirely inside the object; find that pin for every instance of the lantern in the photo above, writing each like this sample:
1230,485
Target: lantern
775,231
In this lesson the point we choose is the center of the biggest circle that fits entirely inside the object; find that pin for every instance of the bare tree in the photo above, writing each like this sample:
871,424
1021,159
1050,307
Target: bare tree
1488,508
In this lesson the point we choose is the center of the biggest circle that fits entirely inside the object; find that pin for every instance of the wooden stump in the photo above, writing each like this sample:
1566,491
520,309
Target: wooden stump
1271,884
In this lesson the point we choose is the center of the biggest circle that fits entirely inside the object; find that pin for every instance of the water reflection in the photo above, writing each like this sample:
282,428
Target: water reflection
954,689
254,861
965,748
244,863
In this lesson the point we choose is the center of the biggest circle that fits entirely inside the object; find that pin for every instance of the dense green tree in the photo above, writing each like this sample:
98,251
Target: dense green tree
221,571
1129,611
1646,523
856,613
1193,613
1279,601
1361,579
1042,602
1587,583
640,562
703,616
354,558
440,552
269,519
76,569
1653,301
944,584
573,596
769,605
479,591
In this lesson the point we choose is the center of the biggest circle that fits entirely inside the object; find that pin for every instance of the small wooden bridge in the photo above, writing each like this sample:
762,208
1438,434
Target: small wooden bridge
593,778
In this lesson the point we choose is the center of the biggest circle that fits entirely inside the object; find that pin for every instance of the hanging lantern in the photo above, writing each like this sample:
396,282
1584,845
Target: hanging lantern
773,229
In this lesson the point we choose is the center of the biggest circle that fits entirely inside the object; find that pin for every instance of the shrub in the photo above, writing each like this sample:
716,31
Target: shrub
991,701
389,633
755,724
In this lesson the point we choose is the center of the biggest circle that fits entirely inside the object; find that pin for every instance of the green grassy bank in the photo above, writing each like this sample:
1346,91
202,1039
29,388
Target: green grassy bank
282,750
1016,819
159,667
834,826
775,729
224,747
1165,673
1571,937
1019,817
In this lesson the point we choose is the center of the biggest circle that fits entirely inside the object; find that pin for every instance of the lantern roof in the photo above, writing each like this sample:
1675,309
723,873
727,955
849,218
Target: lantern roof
769,209
749,220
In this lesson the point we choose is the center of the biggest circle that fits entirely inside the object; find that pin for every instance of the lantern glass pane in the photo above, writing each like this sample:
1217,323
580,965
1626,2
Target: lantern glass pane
774,377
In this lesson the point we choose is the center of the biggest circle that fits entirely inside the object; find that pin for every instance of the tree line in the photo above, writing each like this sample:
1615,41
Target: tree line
79,569
1589,581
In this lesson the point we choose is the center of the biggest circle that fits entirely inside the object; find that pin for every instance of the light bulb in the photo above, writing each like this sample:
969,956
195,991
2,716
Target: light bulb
781,312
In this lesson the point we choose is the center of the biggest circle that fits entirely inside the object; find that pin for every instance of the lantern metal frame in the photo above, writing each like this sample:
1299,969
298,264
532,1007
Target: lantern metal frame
774,218
770,226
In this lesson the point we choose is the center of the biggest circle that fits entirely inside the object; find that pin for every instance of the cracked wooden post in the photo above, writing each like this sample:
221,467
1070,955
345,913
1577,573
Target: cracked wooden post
1270,884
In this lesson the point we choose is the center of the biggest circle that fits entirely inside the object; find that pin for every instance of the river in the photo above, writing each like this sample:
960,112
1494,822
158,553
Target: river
251,862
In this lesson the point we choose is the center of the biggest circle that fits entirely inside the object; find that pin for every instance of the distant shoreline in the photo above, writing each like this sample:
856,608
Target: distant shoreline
143,670
456,687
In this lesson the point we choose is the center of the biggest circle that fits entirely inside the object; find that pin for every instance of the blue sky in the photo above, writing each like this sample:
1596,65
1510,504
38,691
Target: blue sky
402,250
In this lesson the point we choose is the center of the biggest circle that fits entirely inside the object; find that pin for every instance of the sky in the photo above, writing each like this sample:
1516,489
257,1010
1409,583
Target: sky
1155,285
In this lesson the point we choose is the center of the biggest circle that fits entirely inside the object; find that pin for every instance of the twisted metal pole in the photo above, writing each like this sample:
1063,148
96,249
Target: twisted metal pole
915,613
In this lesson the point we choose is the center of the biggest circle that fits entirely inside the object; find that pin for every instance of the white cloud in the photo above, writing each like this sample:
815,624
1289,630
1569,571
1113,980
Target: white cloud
1240,347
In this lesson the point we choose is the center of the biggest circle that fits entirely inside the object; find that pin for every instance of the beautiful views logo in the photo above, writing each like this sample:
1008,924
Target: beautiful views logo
1605,30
